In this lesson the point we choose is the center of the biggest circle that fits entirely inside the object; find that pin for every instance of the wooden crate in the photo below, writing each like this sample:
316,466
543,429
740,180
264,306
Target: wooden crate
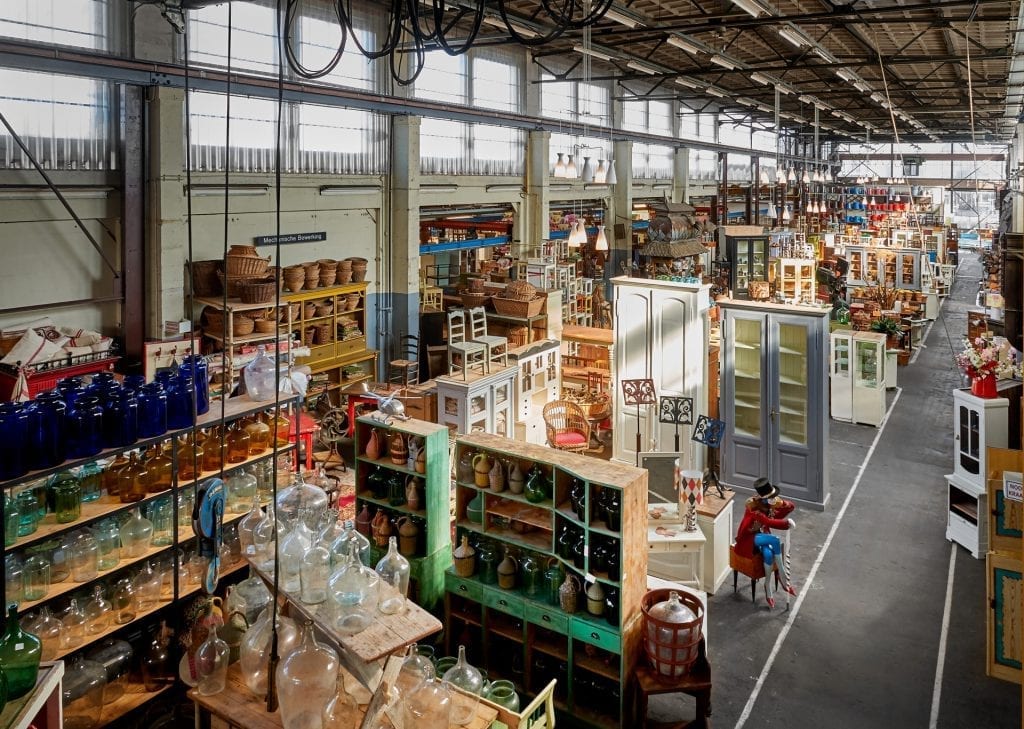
1005,619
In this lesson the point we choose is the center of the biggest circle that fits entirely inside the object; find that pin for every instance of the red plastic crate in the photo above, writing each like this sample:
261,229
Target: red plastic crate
45,376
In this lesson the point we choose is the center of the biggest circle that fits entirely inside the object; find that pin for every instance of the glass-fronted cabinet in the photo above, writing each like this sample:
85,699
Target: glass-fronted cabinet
774,398
748,261
795,280
840,385
479,404
868,378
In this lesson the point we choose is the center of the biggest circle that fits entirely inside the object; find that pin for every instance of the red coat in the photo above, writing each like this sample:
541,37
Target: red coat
756,521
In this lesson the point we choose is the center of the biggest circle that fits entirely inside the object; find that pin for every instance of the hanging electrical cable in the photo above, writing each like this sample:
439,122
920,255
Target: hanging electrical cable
289,47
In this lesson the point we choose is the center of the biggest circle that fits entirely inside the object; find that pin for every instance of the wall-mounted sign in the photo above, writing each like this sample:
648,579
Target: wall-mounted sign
1013,490
269,240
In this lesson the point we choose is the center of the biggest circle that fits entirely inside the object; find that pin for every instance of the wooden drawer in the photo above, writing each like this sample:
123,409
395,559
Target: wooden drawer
552,619
506,602
318,354
348,346
462,587
600,637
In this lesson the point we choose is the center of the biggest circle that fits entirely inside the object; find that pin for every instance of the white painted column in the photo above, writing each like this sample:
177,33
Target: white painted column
403,258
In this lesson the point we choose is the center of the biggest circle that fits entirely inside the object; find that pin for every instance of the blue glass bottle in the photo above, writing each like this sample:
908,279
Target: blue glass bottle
100,383
180,403
195,370
14,430
70,388
134,382
84,427
120,419
47,446
152,410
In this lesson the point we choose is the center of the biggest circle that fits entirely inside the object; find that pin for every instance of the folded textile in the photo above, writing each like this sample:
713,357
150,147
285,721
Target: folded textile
32,348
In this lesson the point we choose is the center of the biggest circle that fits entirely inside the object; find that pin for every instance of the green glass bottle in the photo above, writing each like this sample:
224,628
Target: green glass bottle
3,689
19,655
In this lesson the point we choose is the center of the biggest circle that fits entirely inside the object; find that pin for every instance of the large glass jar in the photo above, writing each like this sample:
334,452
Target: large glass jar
430,704
195,371
19,655
303,497
156,662
160,467
342,711
84,426
123,600
12,518
263,539
467,678
259,435
115,656
249,597
393,569
28,512
162,516
120,418
107,534
354,592
146,584
291,550
306,680
190,458
14,577
70,389
247,526
180,401
238,444
211,664
152,410
254,655
47,446
36,578
97,612
47,628
136,535
90,478
111,473
241,491
133,480
67,498
259,376
83,689
14,440
85,557
314,570
72,626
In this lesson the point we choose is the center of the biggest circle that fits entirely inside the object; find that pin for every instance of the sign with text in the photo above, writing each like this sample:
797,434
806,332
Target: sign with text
269,240
1013,489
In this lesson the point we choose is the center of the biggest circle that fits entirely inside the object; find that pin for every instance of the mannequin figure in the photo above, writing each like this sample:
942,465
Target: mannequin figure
766,511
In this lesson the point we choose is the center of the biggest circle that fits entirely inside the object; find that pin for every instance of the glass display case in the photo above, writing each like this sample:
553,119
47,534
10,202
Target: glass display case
840,384
480,404
795,280
748,258
774,398
868,381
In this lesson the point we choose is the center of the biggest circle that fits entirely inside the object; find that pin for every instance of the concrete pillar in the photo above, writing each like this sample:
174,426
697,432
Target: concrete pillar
403,258
620,232
167,241
538,193
533,89
1017,221
681,175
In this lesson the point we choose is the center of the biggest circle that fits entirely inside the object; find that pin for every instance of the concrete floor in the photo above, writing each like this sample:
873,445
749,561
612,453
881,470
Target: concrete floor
860,645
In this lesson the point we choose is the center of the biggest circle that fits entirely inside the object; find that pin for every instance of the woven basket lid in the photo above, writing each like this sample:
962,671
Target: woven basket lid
520,290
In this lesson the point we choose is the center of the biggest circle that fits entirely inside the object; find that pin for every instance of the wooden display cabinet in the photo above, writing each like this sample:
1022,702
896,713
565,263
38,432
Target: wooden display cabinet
796,279
482,403
433,550
538,382
748,259
592,656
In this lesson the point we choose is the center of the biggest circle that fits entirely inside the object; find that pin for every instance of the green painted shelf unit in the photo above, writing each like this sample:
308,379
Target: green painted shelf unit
434,549
526,637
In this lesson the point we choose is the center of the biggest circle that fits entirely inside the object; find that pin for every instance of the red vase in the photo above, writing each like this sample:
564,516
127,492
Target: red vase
984,387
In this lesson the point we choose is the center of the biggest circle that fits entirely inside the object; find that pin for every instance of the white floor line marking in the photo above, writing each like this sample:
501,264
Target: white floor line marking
806,586
940,662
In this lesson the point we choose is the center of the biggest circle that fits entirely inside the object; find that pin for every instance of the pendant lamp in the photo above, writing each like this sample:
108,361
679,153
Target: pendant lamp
772,212
791,175
786,215
781,176
806,179
601,244
764,177
570,168
612,177
587,175
601,173
560,166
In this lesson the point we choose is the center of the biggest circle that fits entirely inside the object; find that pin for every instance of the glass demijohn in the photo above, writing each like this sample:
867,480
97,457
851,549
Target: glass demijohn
393,569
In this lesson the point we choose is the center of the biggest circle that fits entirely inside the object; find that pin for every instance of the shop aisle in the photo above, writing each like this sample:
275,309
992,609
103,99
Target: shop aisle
860,646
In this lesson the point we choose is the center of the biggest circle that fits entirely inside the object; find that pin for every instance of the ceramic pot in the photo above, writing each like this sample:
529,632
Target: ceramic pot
408,534
373,445
516,479
507,570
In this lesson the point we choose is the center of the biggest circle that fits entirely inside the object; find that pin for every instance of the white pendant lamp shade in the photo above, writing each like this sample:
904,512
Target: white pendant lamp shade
772,212
601,173
612,177
574,234
587,175
786,215
570,168
806,179
810,207
781,176
764,177
560,166
791,175
601,244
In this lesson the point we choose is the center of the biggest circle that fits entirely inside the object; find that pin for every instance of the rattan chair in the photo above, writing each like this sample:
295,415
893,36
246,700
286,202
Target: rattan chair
566,426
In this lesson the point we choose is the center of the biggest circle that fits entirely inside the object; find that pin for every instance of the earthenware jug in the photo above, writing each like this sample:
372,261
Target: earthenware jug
595,599
507,572
496,476
481,470
464,558
516,479
373,448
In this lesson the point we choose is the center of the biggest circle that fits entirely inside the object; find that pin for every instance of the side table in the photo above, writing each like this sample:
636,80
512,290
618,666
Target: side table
676,554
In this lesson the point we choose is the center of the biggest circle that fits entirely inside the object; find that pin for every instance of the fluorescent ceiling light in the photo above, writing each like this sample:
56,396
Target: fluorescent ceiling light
522,30
562,187
439,188
685,82
33,192
824,54
877,97
613,14
760,78
661,186
596,186
806,99
716,92
751,7
862,87
720,60
847,76
214,190
682,43
591,52
783,89
794,37
349,189
504,187
642,67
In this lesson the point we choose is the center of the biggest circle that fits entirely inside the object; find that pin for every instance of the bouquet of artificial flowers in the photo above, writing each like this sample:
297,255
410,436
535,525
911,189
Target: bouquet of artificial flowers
983,357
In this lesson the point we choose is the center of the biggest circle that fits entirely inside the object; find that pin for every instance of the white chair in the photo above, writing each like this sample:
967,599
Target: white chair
496,346
470,353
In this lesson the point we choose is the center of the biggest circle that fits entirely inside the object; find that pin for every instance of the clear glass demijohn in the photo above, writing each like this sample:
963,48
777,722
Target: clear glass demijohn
263,539
339,547
416,668
301,499
353,590
241,492
313,573
471,684
393,569
429,705
306,682
247,526
249,597
211,660
291,550
259,376
254,654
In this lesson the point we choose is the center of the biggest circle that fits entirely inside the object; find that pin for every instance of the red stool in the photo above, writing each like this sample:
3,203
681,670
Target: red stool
354,400
306,430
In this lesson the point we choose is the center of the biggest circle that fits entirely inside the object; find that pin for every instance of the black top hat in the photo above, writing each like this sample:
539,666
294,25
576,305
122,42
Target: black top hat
765,489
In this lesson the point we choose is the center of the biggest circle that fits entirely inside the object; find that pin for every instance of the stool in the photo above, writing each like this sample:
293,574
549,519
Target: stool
750,565
696,683
307,429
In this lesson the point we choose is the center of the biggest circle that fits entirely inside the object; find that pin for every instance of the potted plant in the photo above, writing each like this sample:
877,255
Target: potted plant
891,328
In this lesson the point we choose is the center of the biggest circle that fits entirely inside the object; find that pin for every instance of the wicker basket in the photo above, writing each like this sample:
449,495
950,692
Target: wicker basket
204,278
241,249
671,648
251,266
256,291
325,309
520,291
515,307
242,326
265,326
759,290
471,299
517,336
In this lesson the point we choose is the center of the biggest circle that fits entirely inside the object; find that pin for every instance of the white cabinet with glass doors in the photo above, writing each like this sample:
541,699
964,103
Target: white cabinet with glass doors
840,375
479,404
868,380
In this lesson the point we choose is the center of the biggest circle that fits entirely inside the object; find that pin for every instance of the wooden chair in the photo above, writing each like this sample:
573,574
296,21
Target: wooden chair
406,370
567,426
470,353
496,346
751,565
696,683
